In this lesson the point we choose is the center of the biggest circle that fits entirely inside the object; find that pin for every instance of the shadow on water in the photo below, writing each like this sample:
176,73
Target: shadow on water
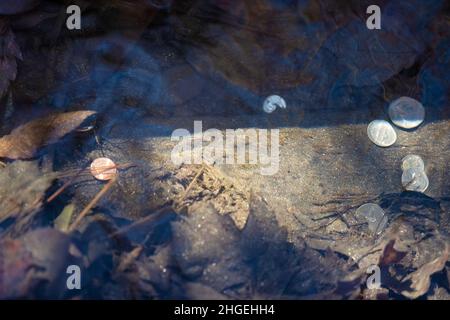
203,59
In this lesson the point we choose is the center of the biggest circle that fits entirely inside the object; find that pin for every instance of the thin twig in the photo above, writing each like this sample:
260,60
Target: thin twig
186,191
64,186
73,177
91,204
152,218
130,258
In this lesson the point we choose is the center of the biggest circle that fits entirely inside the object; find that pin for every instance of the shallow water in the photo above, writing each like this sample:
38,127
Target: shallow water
166,231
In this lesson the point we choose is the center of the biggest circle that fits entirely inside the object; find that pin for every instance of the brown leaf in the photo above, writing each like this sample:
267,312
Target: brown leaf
9,52
22,188
420,279
17,6
24,141
128,259
391,255
26,263
199,291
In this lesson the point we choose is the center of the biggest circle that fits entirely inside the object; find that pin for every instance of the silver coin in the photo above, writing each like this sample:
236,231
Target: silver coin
406,112
273,102
375,216
413,161
381,133
414,179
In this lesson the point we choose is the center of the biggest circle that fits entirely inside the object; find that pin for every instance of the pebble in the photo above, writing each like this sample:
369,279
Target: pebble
337,226
414,179
413,161
374,215
273,102
406,112
381,133
103,169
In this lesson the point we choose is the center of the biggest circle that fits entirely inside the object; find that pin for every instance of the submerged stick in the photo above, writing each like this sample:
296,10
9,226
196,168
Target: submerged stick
191,184
152,219
91,204
64,186
77,174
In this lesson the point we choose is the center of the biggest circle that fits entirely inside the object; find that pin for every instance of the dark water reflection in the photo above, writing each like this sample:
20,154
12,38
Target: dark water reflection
200,58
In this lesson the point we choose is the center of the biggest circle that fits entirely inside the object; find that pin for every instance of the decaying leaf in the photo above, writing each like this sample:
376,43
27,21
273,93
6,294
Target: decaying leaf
199,291
391,255
26,262
62,222
129,258
24,141
22,187
14,263
17,6
9,52
420,279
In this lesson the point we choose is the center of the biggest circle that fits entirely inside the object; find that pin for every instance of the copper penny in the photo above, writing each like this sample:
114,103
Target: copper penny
103,169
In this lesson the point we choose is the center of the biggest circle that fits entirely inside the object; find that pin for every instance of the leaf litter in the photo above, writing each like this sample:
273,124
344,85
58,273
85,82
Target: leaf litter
9,54
24,141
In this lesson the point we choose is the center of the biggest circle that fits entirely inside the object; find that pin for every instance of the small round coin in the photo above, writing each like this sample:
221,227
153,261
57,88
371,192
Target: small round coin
406,112
381,133
273,102
413,161
375,216
103,169
414,179
379,226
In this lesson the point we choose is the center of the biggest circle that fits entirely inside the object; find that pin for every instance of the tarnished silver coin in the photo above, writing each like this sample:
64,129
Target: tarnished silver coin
414,179
406,112
381,133
413,161
375,216
273,102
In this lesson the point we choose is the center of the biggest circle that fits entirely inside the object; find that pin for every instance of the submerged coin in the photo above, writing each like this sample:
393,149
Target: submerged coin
414,179
273,102
103,169
381,133
406,112
375,216
413,161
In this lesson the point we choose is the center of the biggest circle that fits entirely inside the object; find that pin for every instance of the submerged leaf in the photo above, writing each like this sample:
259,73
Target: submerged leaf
420,279
9,52
24,141
33,264
22,187
391,255
62,222
17,6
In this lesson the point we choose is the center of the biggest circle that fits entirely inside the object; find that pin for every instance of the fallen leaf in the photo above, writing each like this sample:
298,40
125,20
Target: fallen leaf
38,257
9,52
391,255
15,262
31,19
17,6
24,141
199,291
62,222
22,188
420,279
128,259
